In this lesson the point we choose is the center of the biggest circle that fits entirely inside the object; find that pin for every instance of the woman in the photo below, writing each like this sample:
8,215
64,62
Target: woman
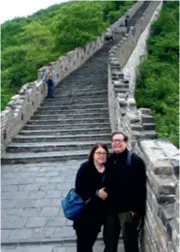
89,185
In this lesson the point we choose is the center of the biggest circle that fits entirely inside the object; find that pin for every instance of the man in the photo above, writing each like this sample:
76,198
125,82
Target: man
50,78
126,188
126,21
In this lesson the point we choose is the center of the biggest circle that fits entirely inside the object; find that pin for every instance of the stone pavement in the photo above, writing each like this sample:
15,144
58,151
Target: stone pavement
70,247
31,213
31,195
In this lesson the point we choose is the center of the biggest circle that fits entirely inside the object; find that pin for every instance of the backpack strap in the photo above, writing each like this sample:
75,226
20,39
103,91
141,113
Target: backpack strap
129,158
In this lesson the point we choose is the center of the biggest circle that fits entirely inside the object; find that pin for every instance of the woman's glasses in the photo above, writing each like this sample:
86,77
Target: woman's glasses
100,153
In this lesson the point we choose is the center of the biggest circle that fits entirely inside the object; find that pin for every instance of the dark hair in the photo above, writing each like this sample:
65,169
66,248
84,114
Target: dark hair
94,148
50,64
121,133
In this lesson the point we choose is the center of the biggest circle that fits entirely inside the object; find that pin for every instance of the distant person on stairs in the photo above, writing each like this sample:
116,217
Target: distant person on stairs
126,21
89,185
125,184
50,78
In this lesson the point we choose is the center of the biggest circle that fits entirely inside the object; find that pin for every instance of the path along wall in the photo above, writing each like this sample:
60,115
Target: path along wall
22,106
161,232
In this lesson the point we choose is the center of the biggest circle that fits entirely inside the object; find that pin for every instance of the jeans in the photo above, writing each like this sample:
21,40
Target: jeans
50,84
121,222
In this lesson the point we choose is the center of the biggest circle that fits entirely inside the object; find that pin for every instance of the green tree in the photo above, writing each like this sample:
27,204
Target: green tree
158,78
31,42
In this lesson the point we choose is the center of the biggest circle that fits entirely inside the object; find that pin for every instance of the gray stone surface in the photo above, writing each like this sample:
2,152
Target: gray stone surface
69,247
38,218
31,197
44,219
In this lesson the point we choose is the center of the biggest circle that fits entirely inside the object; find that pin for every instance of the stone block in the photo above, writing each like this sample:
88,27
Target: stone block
42,203
56,222
53,194
163,167
50,211
161,199
35,222
166,213
163,184
175,161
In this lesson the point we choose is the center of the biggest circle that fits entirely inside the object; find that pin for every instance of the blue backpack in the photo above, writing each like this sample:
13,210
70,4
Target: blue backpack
73,205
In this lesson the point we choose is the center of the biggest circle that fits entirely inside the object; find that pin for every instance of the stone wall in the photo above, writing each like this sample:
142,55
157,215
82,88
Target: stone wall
123,112
130,68
18,111
161,232
22,106
162,206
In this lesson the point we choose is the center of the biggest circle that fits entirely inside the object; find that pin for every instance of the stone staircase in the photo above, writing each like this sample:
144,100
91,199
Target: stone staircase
67,126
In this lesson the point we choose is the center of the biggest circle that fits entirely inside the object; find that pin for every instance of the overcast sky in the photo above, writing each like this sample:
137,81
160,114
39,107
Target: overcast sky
10,9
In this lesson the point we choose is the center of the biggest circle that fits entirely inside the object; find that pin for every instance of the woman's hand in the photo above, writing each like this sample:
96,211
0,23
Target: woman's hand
102,194
133,213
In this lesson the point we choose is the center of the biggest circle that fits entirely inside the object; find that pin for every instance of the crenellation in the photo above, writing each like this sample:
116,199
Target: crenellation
162,191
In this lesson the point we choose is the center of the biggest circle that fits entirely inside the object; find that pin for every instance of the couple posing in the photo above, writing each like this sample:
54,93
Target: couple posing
117,187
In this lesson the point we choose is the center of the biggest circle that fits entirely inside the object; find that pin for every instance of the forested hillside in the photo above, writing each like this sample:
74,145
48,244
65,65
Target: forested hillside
29,43
158,79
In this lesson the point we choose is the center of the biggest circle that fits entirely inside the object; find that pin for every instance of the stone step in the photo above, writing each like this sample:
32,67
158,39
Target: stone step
83,126
85,93
136,127
77,87
147,119
76,98
70,121
89,93
51,110
121,90
68,116
57,156
76,131
68,91
151,134
80,85
148,126
76,106
81,101
50,146
121,86
59,138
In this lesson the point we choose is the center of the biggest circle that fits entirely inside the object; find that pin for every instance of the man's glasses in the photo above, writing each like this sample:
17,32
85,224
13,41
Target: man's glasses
117,140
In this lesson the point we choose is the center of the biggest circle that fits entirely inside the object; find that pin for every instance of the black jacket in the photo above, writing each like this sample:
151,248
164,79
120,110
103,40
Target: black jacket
88,181
125,185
